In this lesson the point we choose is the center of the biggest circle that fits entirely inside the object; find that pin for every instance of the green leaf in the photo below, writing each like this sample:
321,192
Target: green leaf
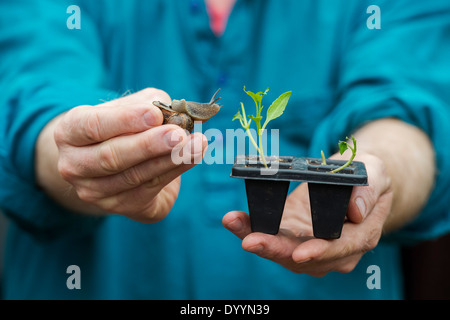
238,116
257,97
244,123
277,107
257,119
343,146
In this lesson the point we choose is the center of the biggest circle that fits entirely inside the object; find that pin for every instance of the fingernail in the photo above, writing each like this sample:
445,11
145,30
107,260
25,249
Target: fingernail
361,206
150,119
173,138
236,225
303,261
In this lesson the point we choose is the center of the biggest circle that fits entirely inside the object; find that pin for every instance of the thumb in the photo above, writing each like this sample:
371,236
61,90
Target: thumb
85,125
364,198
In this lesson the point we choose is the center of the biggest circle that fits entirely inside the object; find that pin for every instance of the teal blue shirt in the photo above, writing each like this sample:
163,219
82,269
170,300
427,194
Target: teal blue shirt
342,74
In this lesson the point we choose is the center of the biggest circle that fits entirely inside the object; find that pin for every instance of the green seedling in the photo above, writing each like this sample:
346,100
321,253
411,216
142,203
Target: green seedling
324,161
343,146
275,110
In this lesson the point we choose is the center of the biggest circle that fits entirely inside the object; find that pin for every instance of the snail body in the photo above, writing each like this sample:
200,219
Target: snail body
183,113
179,118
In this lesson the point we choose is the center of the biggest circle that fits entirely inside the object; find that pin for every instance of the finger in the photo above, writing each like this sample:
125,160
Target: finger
133,177
143,96
363,199
277,248
312,249
274,247
92,189
156,209
85,125
121,153
355,239
190,152
136,201
238,223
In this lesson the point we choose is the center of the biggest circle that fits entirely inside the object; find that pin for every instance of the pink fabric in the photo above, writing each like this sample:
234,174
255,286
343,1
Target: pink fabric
219,11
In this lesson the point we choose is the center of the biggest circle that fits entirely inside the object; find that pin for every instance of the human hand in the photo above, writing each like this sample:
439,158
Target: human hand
118,156
295,248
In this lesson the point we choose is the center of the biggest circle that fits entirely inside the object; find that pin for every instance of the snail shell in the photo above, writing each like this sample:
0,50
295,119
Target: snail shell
179,118
183,113
182,120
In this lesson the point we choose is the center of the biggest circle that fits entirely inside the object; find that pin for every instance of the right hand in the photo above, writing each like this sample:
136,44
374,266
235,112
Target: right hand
117,155
294,246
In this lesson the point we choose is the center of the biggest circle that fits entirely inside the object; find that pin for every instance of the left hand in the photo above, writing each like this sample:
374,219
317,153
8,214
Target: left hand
295,248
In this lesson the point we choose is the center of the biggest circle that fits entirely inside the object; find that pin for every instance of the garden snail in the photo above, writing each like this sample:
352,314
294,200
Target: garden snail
183,113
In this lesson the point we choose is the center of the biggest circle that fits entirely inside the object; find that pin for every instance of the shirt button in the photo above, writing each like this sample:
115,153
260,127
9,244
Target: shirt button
194,6
222,79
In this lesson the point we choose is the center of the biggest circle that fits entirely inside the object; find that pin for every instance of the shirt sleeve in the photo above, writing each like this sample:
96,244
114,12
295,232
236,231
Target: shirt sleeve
45,69
401,71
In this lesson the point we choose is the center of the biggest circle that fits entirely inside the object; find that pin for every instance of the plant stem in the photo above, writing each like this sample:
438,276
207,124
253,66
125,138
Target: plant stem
351,158
244,116
253,140
324,161
259,132
263,158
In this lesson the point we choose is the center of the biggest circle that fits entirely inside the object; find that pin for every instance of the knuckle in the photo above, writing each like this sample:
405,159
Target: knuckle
371,241
66,125
59,134
108,205
82,119
347,251
382,173
90,191
66,171
132,177
108,159
86,195
368,193
92,127
153,183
